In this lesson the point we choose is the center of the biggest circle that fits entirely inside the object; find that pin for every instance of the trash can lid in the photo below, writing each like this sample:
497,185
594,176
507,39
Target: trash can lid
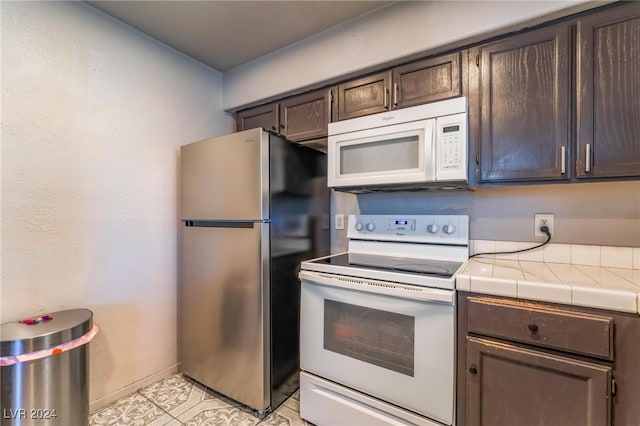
44,331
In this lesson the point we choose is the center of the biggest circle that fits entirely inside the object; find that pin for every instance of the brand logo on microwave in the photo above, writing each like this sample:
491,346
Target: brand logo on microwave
387,117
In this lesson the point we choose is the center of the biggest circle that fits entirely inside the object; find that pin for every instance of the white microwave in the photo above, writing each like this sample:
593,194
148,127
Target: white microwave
412,148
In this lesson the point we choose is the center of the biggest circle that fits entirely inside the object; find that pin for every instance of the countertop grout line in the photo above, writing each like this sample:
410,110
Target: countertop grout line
613,271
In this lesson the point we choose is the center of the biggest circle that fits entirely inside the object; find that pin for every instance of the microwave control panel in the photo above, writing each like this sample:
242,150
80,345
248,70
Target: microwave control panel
451,147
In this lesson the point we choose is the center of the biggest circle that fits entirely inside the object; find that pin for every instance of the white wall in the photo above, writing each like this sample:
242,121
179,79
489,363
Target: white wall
93,114
401,30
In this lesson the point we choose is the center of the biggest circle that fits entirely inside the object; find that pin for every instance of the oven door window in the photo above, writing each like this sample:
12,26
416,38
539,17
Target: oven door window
381,338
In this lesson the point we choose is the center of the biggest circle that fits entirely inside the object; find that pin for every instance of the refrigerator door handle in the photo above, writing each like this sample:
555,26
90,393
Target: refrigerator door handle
221,224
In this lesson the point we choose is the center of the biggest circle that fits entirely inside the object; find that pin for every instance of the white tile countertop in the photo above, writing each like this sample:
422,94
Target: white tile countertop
581,275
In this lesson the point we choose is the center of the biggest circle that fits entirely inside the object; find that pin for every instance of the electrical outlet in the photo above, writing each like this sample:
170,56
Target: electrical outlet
339,221
542,220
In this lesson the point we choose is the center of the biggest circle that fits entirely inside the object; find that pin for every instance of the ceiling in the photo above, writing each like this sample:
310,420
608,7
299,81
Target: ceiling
226,34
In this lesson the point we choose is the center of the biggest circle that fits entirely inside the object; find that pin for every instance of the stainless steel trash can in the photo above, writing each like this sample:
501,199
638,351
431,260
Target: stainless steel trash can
44,369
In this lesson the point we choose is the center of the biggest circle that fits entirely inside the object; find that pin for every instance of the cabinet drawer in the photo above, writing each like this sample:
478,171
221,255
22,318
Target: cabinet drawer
581,333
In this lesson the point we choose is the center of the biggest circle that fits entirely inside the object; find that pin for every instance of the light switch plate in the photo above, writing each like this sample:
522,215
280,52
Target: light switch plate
339,221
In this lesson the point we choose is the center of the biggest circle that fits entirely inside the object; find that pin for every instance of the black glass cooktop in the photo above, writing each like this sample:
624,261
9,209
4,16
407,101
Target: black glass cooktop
435,268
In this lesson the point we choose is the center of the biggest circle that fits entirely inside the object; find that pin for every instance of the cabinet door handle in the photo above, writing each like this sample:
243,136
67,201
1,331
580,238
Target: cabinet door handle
563,160
533,328
330,112
473,370
587,158
396,88
386,97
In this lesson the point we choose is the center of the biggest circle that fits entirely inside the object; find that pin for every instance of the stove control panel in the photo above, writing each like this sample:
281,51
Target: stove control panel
434,229
401,225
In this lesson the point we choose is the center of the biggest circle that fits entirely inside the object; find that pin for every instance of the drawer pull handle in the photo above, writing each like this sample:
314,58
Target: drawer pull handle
533,328
473,370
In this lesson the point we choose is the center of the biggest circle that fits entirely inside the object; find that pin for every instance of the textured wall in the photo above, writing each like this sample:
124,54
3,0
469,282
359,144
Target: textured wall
93,114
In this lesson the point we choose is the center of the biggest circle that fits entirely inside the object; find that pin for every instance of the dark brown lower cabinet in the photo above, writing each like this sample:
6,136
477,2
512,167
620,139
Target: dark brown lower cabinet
529,363
511,385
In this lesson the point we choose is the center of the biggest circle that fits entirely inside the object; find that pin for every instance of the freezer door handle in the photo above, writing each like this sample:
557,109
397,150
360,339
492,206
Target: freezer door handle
219,224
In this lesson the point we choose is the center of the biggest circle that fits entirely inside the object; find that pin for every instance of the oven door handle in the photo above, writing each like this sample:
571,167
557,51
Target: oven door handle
424,294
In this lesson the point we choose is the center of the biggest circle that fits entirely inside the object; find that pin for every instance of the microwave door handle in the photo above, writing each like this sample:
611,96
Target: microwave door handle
430,142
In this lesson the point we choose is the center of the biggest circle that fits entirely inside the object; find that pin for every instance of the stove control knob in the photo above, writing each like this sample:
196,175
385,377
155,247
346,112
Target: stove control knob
449,229
433,228
358,226
370,226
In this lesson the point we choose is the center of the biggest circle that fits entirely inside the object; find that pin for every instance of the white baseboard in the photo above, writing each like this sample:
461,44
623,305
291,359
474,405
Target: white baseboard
133,387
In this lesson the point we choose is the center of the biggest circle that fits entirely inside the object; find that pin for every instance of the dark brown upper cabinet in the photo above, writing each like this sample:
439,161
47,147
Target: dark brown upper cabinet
301,118
558,103
364,96
425,81
265,116
608,92
304,117
522,91
415,83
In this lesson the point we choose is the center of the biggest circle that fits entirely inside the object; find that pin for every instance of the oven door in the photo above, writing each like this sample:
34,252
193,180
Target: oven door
395,348
401,153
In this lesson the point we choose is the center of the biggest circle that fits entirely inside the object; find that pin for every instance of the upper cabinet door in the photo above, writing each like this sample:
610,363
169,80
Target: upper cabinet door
306,116
524,106
364,96
265,116
608,116
426,81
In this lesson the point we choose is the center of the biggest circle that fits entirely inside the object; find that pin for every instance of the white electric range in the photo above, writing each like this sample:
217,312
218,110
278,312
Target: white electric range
377,328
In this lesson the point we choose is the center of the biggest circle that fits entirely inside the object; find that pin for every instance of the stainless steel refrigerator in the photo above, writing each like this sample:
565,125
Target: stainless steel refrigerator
252,207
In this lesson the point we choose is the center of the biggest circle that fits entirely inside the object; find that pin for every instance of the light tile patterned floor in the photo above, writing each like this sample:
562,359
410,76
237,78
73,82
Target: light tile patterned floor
177,401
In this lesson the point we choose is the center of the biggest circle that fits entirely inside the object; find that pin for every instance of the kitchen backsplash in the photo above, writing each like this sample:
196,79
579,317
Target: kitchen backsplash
575,254
598,213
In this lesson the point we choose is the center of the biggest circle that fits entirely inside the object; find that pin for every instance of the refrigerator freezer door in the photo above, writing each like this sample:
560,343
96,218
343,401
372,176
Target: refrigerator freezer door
224,315
226,178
